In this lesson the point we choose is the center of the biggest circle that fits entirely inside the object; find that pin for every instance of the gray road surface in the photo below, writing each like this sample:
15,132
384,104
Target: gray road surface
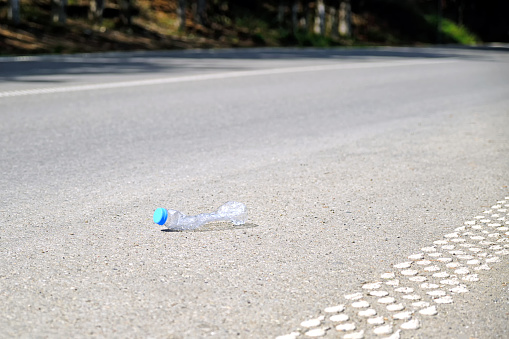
348,160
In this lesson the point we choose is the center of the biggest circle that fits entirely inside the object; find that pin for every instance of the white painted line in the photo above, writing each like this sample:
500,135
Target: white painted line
439,294
372,286
376,321
385,329
379,293
388,275
335,309
354,335
339,317
312,322
227,75
346,327
394,282
406,264
367,313
317,332
411,325
402,315
395,307
360,304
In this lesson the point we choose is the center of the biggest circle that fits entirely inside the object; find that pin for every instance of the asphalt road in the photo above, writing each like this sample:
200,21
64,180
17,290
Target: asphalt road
349,161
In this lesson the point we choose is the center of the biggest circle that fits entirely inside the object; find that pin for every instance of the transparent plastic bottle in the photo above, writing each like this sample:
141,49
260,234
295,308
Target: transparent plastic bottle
232,211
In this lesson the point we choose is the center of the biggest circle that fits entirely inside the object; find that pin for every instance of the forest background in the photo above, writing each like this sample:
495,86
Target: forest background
76,26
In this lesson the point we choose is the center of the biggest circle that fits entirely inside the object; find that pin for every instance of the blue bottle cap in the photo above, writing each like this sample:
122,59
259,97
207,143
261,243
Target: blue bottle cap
160,216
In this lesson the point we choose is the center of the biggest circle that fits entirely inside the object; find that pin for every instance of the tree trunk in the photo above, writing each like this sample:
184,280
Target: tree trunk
96,10
334,26
13,14
181,13
320,18
199,16
439,21
125,12
281,10
334,13
345,18
295,16
59,8
308,17
460,13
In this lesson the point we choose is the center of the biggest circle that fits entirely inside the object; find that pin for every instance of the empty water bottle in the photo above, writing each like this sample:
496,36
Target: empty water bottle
232,211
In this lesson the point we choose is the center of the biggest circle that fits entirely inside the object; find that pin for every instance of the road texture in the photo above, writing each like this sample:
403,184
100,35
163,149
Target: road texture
359,167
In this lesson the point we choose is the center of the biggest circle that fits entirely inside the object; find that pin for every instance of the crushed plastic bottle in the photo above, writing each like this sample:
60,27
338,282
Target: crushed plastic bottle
235,212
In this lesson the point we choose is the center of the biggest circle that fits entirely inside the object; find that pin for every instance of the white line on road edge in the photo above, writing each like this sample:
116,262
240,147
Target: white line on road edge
429,280
228,75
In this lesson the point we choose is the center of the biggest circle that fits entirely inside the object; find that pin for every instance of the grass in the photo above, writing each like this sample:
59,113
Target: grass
453,32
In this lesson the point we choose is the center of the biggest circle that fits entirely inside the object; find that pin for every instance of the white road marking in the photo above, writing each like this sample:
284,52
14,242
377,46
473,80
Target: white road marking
450,281
437,293
405,264
388,275
312,322
385,329
395,307
386,300
411,297
421,304
367,313
346,327
355,335
379,293
335,309
372,286
403,315
376,321
411,324
409,272
354,296
459,289
429,286
441,275
433,268
417,256
339,317
404,289
430,290
360,304
445,300
226,75
444,259
395,335
317,332
292,335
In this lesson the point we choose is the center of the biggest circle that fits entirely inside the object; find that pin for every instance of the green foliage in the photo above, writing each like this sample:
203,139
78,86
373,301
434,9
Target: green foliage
251,23
452,32
108,23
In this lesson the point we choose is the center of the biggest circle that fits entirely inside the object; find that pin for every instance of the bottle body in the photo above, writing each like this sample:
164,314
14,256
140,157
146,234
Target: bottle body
231,211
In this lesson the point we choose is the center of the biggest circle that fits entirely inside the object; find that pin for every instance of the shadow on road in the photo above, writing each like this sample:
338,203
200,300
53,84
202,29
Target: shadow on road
48,68
217,226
